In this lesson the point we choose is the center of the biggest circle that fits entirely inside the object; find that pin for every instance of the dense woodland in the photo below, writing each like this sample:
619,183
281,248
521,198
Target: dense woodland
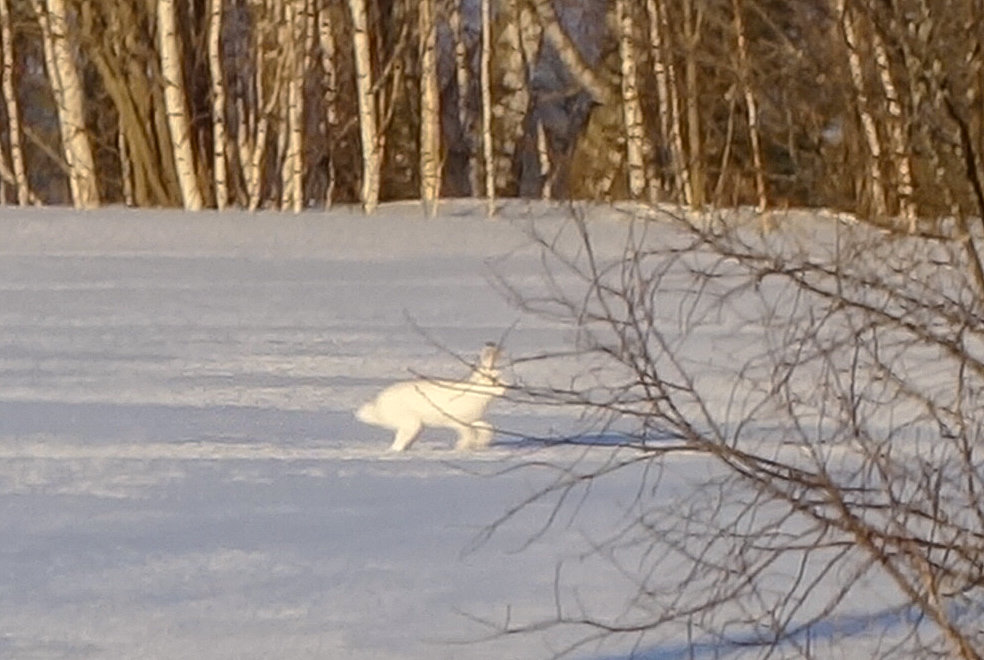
871,106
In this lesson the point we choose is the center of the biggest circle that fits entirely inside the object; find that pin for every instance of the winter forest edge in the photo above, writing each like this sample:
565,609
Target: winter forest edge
871,108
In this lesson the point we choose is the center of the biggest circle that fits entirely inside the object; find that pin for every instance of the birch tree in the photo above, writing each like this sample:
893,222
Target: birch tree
176,104
513,99
430,110
18,172
631,107
868,126
69,96
368,125
463,80
486,84
591,81
692,21
896,133
751,104
219,138
326,40
296,54
671,133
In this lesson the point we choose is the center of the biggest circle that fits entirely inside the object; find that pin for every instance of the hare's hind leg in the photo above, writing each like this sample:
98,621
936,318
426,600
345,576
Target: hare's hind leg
405,435
474,436
483,434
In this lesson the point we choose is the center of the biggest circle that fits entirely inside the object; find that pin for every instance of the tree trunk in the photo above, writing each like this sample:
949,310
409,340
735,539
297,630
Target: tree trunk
292,171
487,105
218,105
671,133
19,173
692,20
751,106
175,102
635,133
326,39
371,158
430,111
896,133
463,78
568,52
67,88
513,103
878,203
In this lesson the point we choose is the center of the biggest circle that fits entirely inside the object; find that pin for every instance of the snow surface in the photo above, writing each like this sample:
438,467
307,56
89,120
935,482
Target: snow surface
181,475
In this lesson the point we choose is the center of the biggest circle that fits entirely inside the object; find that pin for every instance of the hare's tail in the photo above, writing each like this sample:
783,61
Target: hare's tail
367,413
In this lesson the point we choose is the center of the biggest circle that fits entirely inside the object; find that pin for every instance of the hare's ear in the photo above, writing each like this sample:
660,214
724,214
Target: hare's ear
490,353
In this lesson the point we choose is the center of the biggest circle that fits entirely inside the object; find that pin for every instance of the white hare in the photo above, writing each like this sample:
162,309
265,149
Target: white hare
458,405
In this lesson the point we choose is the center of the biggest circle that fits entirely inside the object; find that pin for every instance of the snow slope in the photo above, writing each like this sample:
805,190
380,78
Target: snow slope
181,475
180,472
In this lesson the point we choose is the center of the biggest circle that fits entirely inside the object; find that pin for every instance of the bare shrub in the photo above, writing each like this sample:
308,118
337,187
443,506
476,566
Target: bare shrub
830,376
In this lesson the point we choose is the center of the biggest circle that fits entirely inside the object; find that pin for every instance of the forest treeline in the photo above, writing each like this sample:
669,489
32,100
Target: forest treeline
871,106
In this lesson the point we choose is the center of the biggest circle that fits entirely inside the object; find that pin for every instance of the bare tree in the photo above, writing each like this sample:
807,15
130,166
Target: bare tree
297,55
486,84
671,131
18,172
69,96
218,105
834,413
368,123
879,204
751,104
635,140
430,110
176,103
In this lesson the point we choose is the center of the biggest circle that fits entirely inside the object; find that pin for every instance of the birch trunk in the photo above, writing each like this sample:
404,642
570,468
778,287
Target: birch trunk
631,107
514,101
868,126
463,78
371,160
692,33
543,152
430,110
487,105
326,39
292,170
19,173
219,171
175,102
67,88
751,106
670,118
896,134
568,52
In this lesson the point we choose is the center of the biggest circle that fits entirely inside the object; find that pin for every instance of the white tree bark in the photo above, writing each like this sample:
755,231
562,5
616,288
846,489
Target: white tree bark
292,170
175,102
868,126
463,78
692,19
486,84
368,124
513,102
219,170
326,39
669,99
751,106
896,132
635,134
430,110
19,173
67,88
568,52
543,151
